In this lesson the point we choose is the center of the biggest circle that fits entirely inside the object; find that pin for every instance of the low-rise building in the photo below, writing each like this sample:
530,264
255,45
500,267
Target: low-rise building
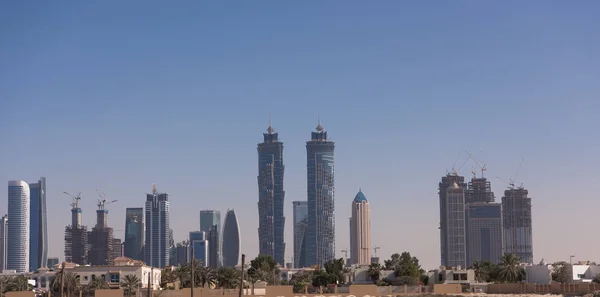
582,272
455,275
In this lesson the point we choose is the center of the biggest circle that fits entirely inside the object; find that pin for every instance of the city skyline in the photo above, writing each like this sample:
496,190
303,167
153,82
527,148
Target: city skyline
178,96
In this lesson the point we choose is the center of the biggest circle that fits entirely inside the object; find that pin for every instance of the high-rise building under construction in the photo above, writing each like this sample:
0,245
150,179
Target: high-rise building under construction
483,222
516,220
76,235
101,238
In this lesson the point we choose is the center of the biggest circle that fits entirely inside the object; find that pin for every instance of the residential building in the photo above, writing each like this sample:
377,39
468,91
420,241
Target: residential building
516,220
231,240
100,239
271,196
134,233
38,228
52,261
158,239
455,226
199,247
446,182
451,276
18,227
76,236
360,231
3,242
484,232
208,220
581,272
320,237
300,225
213,247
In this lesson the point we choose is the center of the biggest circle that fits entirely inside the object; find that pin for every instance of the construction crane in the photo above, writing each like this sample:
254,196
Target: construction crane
102,201
454,171
76,199
483,169
511,181
375,249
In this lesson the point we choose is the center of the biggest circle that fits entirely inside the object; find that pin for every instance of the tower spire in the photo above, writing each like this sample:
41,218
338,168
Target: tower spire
319,126
270,130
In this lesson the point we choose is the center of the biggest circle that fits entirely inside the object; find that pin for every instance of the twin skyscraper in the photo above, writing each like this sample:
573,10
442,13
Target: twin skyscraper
317,243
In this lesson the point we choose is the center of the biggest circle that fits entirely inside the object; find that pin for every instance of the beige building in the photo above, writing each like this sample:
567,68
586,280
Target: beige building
360,231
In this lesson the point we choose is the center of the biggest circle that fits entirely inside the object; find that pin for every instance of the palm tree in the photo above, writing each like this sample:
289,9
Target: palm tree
130,284
17,283
228,277
266,268
480,272
510,270
252,276
70,283
4,281
205,276
374,271
98,283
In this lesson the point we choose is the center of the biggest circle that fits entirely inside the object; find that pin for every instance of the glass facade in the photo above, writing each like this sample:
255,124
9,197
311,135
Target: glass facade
38,233
158,241
271,197
231,240
517,227
484,232
320,239
208,220
18,227
300,224
134,233
200,246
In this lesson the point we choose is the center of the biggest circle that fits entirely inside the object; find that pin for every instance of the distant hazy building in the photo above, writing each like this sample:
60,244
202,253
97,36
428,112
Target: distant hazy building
134,233
117,249
516,212
208,219
38,228
157,229
18,226
181,252
76,236
360,231
100,239
320,236
446,182
456,226
3,241
52,261
199,245
300,225
484,232
231,240
271,196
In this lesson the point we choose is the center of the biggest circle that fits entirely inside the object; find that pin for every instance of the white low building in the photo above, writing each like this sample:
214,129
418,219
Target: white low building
580,272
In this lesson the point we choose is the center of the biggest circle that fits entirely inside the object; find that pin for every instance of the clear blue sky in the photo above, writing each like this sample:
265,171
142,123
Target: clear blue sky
119,95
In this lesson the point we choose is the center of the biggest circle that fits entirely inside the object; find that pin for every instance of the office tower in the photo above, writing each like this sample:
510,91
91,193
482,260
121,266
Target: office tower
181,254
208,219
101,238
484,232
455,226
134,233
320,245
199,245
213,247
360,231
171,248
446,182
480,190
3,241
52,261
117,249
516,219
300,225
76,236
158,237
231,240
38,229
271,219
18,227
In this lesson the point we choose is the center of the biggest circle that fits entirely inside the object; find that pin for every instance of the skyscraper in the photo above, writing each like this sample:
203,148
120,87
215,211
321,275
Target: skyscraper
480,190
38,232
18,227
101,238
360,231
484,232
3,241
446,182
320,237
157,247
199,245
271,196
208,219
134,233
455,226
76,236
231,240
516,219
117,249
300,225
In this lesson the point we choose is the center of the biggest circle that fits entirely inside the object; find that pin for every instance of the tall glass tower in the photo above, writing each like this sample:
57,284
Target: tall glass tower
516,220
210,223
18,227
158,239
271,197
231,240
320,245
134,233
38,232
300,225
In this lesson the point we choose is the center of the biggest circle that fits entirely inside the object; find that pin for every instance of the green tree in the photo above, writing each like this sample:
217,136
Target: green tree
228,277
335,268
321,279
302,281
266,269
596,279
205,276
70,283
252,276
4,281
130,283
374,271
560,272
510,270
393,262
98,283
167,276
17,283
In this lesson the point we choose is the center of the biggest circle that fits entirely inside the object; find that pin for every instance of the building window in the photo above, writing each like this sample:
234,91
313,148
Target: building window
93,276
114,278
463,276
581,276
455,276
85,277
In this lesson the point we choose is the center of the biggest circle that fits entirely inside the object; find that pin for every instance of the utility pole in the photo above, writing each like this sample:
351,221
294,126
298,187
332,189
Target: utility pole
192,268
242,276
150,282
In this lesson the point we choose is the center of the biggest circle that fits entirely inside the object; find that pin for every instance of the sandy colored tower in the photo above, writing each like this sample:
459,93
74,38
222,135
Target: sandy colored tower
360,231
